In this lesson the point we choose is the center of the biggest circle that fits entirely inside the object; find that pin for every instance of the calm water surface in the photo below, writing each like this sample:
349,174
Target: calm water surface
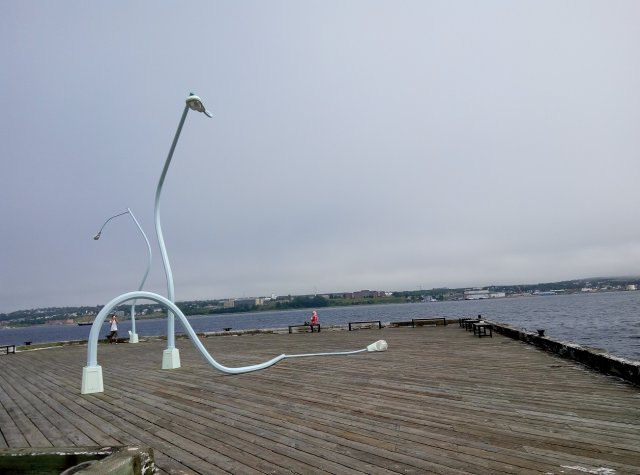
609,321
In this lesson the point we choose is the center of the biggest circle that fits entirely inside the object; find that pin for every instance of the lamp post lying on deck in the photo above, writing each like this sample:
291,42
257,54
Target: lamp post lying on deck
171,356
92,373
133,337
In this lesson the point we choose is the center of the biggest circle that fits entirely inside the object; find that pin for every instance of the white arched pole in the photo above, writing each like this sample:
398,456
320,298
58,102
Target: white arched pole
92,373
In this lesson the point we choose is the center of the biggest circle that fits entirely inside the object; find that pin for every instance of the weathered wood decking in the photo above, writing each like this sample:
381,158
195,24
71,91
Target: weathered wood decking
439,401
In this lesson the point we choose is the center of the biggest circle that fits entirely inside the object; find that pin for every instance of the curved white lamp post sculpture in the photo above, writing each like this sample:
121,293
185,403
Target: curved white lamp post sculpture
133,336
92,373
171,356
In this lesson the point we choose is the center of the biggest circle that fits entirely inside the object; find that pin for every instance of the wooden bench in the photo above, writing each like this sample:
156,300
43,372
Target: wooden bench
366,321
118,339
432,319
305,326
480,329
467,323
8,349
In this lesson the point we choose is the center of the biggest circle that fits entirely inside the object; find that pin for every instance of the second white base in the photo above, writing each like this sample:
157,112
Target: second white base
171,359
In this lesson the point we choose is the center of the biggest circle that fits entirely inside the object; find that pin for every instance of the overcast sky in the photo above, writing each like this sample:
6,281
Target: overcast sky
387,145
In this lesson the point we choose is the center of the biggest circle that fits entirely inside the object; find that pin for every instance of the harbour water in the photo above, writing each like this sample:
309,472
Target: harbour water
609,321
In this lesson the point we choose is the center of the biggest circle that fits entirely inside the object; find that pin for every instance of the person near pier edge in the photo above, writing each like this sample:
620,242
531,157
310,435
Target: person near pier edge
114,329
314,319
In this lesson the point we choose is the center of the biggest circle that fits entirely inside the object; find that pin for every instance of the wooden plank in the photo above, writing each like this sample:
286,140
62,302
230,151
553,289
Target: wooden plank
436,402
11,435
242,432
51,417
174,458
25,419
51,395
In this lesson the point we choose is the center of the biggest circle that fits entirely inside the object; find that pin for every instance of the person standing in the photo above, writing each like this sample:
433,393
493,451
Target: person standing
114,329
314,320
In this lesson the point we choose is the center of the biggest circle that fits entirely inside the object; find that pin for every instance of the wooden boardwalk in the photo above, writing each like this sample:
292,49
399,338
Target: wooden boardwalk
439,401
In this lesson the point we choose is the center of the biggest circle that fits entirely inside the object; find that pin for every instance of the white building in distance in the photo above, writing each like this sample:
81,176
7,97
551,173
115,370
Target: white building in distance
478,294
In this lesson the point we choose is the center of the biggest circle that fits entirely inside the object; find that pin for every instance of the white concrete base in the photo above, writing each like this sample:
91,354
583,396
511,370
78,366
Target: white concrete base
171,359
133,337
92,380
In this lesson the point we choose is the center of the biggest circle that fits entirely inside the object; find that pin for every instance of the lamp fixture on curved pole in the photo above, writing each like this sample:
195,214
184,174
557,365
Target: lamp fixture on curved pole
133,337
97,236
92,373
171,356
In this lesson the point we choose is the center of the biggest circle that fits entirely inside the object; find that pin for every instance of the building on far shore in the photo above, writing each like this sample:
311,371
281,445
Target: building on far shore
478,294
244,302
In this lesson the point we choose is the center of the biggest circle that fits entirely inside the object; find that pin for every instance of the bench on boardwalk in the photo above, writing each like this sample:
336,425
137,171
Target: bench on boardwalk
8,349
467,323
433,320
371,322
480,329
291,327
118,339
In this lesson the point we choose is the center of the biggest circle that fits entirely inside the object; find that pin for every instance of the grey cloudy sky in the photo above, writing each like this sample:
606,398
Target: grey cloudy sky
364,144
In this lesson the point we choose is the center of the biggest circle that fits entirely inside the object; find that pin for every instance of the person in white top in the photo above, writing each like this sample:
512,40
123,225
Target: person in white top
114,329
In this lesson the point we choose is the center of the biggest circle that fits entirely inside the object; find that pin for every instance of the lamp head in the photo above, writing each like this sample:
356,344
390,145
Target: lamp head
380,345
195,104
97,236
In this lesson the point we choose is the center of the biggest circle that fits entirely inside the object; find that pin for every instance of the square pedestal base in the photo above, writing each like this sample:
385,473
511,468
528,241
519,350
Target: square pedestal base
92,380
171,359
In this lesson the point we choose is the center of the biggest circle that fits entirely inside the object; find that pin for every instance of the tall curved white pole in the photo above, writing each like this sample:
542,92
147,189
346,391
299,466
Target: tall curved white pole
92,373
171,356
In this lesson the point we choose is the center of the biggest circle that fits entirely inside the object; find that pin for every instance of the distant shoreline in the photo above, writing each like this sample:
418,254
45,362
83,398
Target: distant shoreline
88,320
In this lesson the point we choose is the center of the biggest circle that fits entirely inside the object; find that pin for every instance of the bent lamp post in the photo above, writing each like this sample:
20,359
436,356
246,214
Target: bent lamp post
133,336
171,356
92,373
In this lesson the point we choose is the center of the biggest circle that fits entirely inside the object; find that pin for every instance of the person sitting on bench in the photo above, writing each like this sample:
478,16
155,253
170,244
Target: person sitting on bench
314,319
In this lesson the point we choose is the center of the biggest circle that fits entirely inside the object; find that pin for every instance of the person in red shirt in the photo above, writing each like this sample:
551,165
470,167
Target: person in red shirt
314,319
